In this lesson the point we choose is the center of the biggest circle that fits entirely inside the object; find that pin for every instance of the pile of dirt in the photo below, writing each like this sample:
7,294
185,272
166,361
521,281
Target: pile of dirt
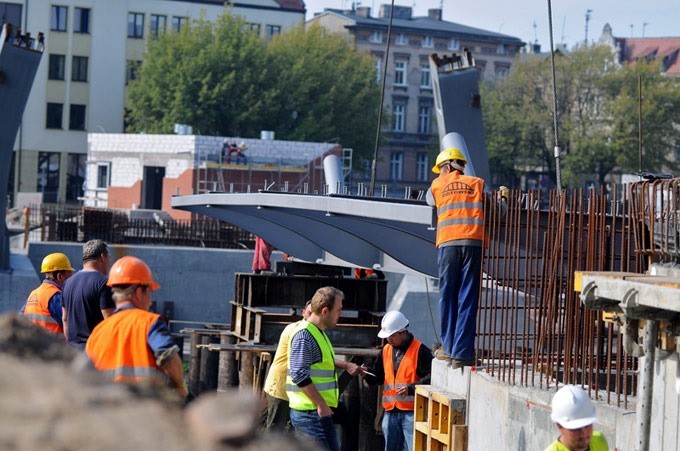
52,400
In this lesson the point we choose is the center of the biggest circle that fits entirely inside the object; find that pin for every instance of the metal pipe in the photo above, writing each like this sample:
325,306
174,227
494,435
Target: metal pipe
651,333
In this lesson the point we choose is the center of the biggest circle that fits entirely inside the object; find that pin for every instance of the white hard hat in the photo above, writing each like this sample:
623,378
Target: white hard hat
393,321
572,408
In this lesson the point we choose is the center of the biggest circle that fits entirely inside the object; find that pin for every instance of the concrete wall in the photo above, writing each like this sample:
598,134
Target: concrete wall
509,417
200,282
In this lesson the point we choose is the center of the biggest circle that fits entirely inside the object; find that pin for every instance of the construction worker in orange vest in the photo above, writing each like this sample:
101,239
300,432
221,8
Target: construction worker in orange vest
43,306
403,363
133,344
459,200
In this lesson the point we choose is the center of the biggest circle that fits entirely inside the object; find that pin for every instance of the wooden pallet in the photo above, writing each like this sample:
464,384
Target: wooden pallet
439,420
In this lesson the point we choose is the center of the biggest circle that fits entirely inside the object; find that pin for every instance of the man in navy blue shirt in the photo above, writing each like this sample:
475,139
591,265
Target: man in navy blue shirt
87,300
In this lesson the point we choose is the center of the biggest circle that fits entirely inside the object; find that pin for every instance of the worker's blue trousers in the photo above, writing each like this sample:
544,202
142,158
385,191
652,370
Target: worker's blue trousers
320,429
459,284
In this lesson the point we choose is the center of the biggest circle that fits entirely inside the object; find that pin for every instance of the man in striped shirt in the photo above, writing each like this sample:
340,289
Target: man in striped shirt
311,384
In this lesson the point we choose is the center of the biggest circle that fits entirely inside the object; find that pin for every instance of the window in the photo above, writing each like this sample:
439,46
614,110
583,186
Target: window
58,18
132,70
56,69
79,68
271,31
400,72
254,27
501,49
48,175
502,71
428,41
425,75
103,175
158,24
480,65
55,112
424,120
178,22
75,176
399,113
397,166
422,167
453,44
77,117
378,69
402,39
135,25
81,20
376,37
10,13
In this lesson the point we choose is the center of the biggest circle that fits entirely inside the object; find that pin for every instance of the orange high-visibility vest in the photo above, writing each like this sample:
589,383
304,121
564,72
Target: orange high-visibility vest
405,375
460,207
37,310
118,347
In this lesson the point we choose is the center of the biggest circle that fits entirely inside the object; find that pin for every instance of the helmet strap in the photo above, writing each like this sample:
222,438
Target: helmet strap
457,166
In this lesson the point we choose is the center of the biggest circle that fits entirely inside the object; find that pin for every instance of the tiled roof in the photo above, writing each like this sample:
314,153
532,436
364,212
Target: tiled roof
655,48
427,25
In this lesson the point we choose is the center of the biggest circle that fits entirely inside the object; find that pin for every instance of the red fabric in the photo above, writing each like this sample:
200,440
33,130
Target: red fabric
263,251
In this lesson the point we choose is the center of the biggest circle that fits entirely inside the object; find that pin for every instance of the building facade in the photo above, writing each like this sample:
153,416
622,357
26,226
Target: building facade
144,171
92,49
628,50
406,157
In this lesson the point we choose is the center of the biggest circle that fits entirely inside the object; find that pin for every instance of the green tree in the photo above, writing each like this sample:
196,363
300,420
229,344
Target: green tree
660,118
222,79
596,115
210,76
323,90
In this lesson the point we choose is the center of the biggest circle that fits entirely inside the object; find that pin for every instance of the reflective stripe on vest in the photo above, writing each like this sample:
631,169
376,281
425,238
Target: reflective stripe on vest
118,347
322,373
405,375
460,207
37,307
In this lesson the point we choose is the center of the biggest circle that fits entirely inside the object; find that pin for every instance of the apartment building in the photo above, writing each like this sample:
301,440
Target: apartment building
406,157
93,48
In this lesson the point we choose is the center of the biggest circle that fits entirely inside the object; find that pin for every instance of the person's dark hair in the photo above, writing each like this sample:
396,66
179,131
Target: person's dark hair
93,249
325,297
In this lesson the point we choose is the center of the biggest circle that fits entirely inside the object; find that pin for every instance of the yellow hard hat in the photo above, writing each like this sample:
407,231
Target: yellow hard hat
448,155
454,149
56,262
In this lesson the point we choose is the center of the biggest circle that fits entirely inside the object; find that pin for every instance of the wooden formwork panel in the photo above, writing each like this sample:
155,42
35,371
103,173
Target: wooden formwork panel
439,420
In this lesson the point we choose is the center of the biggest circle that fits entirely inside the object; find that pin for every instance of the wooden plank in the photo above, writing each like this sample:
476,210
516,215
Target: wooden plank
460,438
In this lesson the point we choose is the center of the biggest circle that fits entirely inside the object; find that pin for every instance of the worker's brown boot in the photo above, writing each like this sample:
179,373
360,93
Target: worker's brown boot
440,354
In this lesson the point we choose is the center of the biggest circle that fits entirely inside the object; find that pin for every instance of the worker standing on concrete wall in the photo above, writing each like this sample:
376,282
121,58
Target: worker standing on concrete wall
403,363
135,345
277,415
87,298
43,306
459,199
312,384
574,414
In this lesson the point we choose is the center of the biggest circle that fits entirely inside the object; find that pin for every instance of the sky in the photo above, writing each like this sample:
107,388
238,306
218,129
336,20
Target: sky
517,17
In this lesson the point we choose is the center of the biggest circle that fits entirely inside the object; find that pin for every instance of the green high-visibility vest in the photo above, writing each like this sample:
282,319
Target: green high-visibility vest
322,373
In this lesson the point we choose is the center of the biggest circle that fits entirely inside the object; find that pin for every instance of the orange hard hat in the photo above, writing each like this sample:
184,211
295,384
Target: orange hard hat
131,270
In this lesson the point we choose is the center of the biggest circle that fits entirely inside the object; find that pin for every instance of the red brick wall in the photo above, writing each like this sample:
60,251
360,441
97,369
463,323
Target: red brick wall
182,185
125,197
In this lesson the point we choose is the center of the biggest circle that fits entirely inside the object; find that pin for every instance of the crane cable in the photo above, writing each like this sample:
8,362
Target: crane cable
374,164
558,175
